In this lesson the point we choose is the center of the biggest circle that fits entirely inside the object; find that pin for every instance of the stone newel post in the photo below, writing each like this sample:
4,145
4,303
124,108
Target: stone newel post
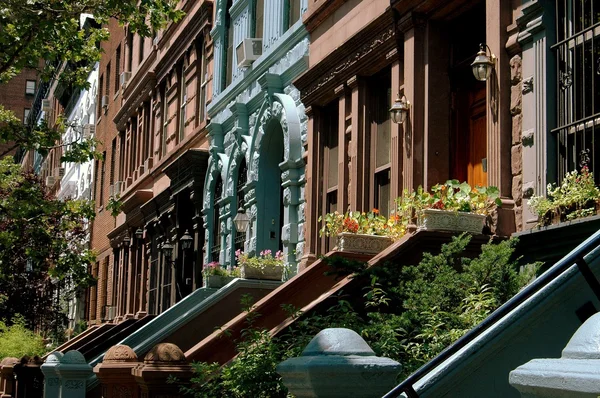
51,381
339,363
73,372
115,375
7,379
575,374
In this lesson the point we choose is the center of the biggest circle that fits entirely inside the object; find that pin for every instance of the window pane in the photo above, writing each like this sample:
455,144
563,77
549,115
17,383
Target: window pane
294,11
260,11
382,192
383,128
30,87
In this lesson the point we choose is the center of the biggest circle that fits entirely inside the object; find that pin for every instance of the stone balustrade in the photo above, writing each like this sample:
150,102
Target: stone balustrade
575,374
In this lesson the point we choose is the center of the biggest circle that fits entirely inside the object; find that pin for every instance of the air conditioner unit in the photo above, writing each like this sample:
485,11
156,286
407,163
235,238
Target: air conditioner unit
88,131
248,51
46,105
111,190
104,101
118,188
50,181
124,78
110,312
59,172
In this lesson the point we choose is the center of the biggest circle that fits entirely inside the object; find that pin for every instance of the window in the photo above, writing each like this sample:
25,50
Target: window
113,158
216,235
330,163
26,113
381,142
203,81
167,276
141,49
182,102
100,94
240,236
129,66
293,12
260,12
107,74
578,95
229,41
30,87
154,274
95,178
118,69
102,174
165,121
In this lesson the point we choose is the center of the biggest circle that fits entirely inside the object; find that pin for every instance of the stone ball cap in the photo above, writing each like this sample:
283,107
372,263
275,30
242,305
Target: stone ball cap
120,353
73,356
55,356
337,341
9,361
165,353
585,343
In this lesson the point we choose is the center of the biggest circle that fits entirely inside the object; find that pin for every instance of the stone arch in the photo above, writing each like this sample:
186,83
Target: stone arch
217,165
237,155
279,110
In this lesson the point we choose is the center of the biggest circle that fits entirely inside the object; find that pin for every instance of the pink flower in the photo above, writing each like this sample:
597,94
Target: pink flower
238,253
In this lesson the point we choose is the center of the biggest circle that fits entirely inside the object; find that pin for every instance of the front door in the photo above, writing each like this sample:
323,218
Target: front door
469,135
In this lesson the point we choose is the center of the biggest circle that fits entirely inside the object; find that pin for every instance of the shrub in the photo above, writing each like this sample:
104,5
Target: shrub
16,340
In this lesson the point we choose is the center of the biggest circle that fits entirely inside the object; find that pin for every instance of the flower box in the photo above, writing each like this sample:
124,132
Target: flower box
441,220
216,281
360,243
271,273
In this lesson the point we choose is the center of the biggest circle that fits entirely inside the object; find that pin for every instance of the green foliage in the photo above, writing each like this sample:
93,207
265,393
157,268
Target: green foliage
409,313
16,340
42,247
576,197
114,205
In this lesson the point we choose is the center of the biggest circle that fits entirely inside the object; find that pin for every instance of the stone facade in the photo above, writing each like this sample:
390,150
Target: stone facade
251,106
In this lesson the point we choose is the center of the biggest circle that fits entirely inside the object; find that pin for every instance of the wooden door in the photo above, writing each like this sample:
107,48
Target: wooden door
476,169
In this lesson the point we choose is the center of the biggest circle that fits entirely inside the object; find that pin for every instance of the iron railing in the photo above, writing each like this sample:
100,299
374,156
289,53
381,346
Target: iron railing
577,53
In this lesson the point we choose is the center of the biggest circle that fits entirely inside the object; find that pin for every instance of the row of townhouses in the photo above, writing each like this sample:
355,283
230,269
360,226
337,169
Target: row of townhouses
281,111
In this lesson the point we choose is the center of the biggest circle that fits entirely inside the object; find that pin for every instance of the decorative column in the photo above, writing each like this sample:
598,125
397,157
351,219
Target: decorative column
338,363
414,90
51,380
73,371
273,22
311,236
219,34
575,374
7,379
358,148
343,127
162,361
114,373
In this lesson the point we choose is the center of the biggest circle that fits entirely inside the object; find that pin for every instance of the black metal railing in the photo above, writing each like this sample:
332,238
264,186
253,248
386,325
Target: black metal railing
577,54
575,258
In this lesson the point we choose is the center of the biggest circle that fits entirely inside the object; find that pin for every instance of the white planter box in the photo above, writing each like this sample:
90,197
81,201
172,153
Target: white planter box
216,282
268,273
442,220
364,244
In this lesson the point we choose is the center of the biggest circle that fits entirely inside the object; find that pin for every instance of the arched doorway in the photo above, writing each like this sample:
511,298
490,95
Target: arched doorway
270,205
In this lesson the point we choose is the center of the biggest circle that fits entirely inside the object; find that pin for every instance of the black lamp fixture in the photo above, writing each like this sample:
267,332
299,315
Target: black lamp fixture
399,110
167,250
127,240
483,64
241,220
139,233
186,240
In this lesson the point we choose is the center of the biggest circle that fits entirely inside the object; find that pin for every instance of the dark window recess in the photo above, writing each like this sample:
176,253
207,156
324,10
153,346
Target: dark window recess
240,236
216,236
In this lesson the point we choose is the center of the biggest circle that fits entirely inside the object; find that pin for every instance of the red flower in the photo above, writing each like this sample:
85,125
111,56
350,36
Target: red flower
375,211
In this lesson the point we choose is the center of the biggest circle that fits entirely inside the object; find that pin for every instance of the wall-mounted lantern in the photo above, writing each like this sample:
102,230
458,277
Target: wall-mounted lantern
399,110
167,250
186,240
241,220
139,233
483,64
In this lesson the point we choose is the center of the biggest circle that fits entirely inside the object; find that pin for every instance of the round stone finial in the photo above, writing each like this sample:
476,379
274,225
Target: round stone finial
54,357
73,356
337,341
120,353
585,343
165,353
9,361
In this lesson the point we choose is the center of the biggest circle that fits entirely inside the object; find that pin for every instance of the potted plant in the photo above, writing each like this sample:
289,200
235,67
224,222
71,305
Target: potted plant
215,276
361,232
264,266
576,197
453,206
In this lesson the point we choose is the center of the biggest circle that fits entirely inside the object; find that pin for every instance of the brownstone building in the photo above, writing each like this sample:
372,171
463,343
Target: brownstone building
17,95
151,120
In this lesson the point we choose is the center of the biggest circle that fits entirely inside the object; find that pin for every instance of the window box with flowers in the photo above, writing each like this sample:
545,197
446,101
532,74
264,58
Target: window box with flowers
264,266
360,232
215,276
576,197
452,206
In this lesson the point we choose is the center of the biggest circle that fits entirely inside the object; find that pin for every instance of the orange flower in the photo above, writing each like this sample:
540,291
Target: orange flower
375,211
